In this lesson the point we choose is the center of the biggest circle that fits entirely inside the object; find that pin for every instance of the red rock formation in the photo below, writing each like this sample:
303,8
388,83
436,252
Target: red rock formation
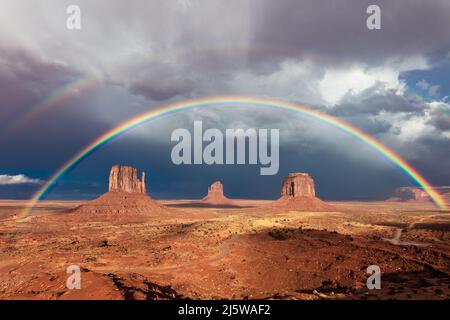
215,195
122,203
410,194
143,186
445,192
298,194
298,185
127,195
124,179
216,189
419,195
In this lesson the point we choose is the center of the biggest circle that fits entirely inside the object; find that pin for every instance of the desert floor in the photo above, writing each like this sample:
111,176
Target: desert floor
251,252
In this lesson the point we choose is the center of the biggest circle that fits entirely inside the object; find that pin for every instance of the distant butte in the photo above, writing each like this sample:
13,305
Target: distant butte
298,193
127,195
410,194
216,196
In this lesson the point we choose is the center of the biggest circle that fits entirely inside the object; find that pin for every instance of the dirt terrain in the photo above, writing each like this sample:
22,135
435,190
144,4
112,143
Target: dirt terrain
246,252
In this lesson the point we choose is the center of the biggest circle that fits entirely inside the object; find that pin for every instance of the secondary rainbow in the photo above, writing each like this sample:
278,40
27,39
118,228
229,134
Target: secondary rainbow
55,99
238,100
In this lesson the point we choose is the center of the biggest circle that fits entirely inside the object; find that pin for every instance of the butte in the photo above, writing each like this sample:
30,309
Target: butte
410,194
127,195
298,194
216,197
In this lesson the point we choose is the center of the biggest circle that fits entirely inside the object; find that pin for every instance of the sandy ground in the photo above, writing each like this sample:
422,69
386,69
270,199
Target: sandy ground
247,252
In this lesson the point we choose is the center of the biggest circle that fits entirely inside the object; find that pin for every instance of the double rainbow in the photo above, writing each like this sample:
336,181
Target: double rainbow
54,100
237,100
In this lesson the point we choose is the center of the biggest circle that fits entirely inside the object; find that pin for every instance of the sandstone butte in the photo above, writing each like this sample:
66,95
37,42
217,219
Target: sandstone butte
127,195
216,196
125,179
418,195
410,194
298,193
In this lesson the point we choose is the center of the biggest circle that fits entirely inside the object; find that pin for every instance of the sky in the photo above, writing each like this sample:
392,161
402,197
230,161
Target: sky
60,89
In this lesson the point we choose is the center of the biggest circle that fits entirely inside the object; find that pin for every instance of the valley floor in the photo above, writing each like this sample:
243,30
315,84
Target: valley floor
252,252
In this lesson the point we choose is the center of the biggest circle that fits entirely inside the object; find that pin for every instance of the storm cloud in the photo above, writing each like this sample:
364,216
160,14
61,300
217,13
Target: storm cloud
148,54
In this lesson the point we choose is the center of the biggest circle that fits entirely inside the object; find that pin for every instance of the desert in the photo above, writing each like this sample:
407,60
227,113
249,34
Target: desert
131,246
203,154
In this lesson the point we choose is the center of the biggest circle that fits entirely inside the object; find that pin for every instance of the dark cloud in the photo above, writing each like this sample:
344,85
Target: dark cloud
151,53
376,100
432,152
336,31
440,117
441,121
25,79
163,88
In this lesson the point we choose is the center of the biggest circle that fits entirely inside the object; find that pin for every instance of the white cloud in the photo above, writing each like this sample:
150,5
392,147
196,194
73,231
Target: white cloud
413,128
423,84
293,80
336,83
17,179
431,89
434,90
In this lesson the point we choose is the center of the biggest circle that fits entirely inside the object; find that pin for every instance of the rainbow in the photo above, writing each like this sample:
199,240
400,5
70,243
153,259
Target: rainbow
445,111
442,110
55,98
79,84
236,100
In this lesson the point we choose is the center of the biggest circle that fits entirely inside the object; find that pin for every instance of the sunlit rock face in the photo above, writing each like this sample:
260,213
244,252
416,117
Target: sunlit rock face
125,179
298,185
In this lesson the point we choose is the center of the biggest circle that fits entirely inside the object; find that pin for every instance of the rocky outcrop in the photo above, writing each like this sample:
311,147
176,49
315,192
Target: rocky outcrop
215,190
298,193
410,193
125,179
216,196
445,192
127,195
123,203
416,194
298,185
